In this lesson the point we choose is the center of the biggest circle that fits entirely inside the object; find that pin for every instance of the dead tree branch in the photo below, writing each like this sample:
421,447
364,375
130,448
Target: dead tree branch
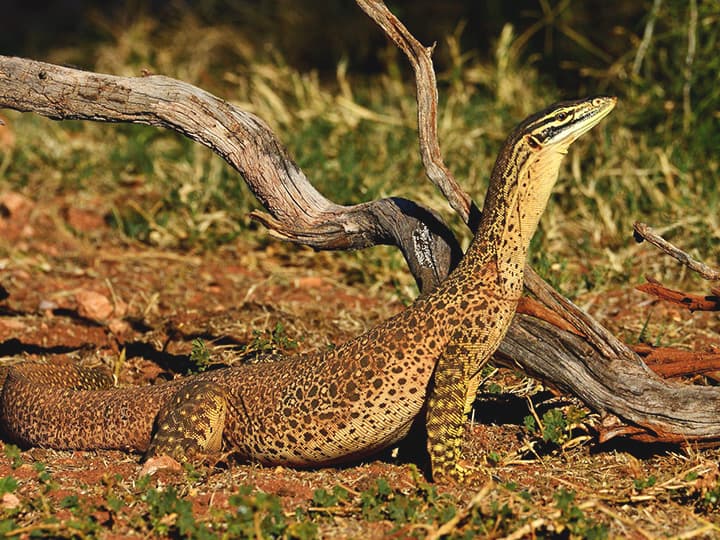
420,58
297,211
603,340
661,410
645,232
530,306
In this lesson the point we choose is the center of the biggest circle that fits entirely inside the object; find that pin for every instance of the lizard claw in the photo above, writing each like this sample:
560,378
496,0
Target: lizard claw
160,463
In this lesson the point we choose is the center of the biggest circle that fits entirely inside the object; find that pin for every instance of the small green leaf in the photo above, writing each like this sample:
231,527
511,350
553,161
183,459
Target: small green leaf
8,484
71,501
12,452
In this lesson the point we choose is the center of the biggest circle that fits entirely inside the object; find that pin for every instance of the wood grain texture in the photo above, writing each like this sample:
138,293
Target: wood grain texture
297,212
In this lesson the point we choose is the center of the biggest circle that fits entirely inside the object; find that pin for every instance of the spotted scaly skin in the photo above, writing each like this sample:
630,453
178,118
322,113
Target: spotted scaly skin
489,281
330,407
304,410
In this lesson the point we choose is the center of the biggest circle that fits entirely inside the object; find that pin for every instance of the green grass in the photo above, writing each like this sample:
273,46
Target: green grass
151,509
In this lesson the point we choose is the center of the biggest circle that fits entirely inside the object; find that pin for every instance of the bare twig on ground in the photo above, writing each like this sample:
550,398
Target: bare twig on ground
462,514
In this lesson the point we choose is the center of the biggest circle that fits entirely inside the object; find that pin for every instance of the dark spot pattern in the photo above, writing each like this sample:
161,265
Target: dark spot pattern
320,408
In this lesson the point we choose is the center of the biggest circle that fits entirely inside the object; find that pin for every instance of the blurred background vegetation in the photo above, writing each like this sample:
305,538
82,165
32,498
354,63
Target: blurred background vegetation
342,99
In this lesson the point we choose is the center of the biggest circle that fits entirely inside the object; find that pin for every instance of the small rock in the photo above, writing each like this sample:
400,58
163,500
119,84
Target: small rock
12,328
9,501
121,308
47,305
119,327
15,205
309,282
94,306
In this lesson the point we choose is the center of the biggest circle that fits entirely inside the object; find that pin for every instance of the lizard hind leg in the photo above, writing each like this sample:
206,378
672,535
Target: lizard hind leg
190,425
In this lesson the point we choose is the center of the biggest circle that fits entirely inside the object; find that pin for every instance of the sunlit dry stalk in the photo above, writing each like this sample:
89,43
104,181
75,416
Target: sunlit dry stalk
647,37
689,57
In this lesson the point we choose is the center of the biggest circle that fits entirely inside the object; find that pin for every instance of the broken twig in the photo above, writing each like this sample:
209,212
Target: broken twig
644,232
420,58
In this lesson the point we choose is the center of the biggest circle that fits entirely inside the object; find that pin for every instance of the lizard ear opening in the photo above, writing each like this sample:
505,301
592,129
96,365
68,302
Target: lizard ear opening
533,142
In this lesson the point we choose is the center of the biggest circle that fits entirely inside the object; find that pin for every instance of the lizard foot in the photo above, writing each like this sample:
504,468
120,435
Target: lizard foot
159,463
451,472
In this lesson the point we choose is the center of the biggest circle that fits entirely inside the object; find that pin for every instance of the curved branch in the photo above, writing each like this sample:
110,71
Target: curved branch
297,211
420,58
599,336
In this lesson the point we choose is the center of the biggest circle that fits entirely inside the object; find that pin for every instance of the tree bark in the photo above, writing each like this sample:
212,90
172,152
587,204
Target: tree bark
297,211
663,410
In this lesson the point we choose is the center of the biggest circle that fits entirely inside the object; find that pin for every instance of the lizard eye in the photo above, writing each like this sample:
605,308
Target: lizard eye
561,116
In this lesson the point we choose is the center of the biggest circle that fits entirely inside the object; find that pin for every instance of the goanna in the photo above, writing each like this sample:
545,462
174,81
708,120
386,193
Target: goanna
339,405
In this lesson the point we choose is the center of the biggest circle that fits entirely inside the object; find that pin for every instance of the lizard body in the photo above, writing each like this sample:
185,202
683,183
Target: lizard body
338,405
304,410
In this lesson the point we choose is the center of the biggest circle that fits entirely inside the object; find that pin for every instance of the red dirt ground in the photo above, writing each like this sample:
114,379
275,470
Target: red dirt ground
73,291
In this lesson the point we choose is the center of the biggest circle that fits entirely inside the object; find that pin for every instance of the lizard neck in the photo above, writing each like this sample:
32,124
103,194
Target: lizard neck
511,216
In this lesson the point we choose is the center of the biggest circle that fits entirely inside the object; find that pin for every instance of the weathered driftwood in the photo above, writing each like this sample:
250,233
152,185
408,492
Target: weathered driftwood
297,211
595,366
661,410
